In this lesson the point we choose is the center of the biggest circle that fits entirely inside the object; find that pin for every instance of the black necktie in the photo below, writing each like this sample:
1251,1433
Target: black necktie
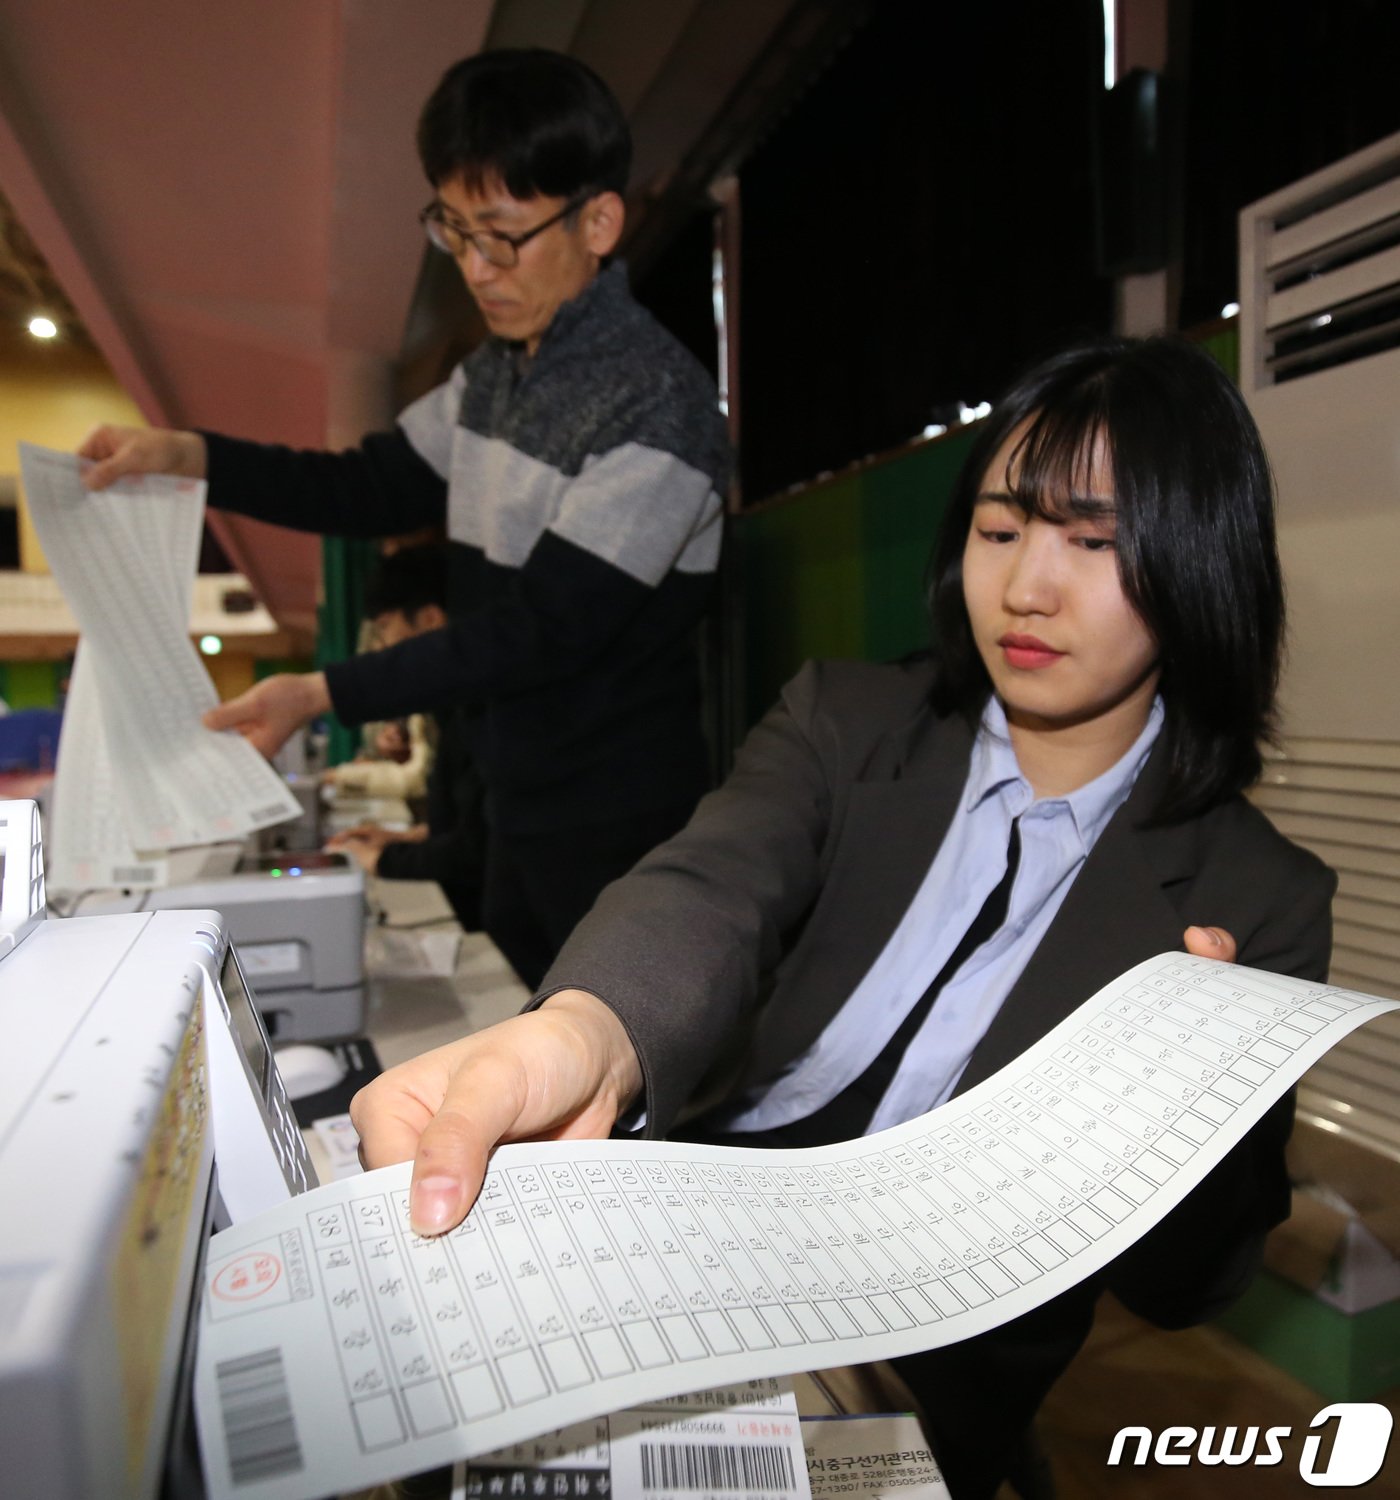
848,1115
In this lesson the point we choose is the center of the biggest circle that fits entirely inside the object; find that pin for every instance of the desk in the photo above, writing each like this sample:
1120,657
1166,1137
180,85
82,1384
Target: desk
408,1016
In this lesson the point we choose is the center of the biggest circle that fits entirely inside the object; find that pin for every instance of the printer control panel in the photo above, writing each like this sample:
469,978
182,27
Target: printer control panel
262,1155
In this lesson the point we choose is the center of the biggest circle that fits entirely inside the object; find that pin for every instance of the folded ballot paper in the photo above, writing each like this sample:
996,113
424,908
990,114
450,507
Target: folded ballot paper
138,774
338,1349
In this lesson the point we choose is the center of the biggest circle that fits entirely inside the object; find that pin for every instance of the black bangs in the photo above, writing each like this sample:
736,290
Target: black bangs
1052,467
540,123
532,142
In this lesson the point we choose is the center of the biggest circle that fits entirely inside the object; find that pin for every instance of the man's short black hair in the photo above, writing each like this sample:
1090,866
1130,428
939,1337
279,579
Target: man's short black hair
543,123
1195,540
408,581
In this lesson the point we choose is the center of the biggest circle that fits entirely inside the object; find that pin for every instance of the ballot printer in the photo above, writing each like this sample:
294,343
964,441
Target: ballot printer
298,920
299,923
140,1108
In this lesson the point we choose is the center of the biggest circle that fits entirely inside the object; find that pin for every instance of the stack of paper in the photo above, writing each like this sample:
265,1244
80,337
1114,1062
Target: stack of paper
138,774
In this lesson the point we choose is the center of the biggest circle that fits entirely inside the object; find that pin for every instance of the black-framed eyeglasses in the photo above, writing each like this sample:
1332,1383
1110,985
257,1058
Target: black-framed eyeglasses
493,245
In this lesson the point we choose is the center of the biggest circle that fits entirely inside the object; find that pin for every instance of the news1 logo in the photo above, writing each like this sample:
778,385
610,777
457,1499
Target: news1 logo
1359,1443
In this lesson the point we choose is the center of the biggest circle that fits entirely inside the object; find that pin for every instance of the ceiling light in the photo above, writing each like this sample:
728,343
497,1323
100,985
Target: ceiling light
1110,43
1230,310
42,327
210,645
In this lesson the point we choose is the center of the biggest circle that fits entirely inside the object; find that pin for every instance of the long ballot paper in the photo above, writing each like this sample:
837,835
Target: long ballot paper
338,1349
137,770
89,845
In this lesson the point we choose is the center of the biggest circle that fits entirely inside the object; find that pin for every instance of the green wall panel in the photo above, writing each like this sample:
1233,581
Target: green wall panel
803,590
346,563
1345,1358
1223,345
837,569
270,666
904,502
31,684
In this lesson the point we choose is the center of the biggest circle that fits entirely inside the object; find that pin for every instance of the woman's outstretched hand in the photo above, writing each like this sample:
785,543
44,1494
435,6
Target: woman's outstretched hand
562,1072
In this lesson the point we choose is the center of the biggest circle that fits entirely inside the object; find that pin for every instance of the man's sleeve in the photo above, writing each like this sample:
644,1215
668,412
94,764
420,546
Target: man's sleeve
634,520
421,859
391,483
454,851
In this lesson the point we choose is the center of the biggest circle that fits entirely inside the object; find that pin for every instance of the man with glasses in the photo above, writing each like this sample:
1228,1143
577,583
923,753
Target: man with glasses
577,458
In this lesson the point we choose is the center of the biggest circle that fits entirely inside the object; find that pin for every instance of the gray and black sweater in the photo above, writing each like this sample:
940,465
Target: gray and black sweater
582,495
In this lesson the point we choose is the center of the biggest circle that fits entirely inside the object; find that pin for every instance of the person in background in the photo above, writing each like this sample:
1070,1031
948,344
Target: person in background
395,764
577,458
406,597
916,871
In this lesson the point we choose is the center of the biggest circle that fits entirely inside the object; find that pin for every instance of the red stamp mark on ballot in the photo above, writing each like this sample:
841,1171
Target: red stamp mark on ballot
247,1276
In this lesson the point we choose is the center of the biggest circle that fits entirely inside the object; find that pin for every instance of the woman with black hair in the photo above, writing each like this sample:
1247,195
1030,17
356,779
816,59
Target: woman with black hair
1002,829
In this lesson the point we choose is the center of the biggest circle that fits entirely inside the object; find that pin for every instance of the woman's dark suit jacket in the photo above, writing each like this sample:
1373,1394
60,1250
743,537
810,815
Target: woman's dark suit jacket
743,936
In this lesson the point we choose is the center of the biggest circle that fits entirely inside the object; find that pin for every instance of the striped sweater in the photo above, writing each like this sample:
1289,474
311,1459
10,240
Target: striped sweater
582,496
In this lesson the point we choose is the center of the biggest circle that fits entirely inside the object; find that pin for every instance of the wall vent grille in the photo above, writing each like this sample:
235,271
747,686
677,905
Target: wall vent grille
1341,799
1321,262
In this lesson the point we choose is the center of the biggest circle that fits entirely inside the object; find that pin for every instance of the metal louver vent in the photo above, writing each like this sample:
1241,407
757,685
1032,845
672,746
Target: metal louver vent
1322,262
1341,799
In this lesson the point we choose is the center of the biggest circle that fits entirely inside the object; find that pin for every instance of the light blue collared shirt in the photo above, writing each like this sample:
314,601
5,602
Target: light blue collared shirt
1057,834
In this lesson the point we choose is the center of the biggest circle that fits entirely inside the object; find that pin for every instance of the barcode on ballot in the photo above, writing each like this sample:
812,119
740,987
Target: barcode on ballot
133,874
697,1466
259,1429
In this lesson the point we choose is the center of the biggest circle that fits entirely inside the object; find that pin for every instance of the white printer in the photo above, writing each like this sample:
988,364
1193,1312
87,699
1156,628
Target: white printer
139,1107
298,920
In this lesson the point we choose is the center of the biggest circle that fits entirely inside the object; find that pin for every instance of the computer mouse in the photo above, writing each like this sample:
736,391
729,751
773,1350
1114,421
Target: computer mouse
308,1070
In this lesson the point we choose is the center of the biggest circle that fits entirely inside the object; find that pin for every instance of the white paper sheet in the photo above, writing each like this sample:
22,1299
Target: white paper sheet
743,1439
870,1458
125,560
335,1134
88,845
339,1349
411,955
